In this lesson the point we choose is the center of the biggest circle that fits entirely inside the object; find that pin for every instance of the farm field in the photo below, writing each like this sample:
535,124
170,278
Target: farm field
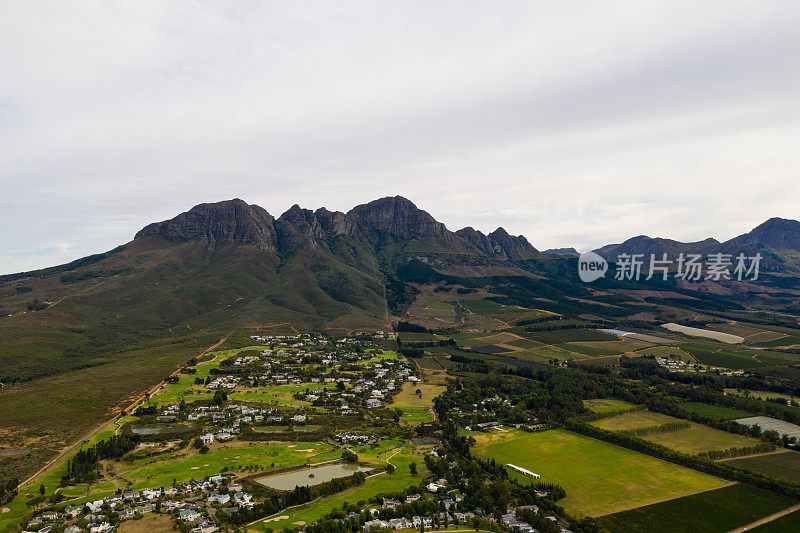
599,477
783,465
789,523
616,346
496,338
714,411
763,395
546,353
699,438
714,511
434,314
416,408
507,314
666,352
633,420
598,350
696,439
729,357
607,405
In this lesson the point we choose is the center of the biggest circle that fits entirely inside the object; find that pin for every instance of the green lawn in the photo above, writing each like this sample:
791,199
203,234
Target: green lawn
598,477
713,511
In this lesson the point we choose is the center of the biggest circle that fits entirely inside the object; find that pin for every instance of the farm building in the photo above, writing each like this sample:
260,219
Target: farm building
524,471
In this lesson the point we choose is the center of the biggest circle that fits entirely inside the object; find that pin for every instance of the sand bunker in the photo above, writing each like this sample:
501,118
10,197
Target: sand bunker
195,468
277,518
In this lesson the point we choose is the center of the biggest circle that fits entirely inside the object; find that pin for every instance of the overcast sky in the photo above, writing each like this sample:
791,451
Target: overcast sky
573,123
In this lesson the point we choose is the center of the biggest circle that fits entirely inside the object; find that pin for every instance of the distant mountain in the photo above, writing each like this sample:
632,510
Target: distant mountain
562,251
777,239
229,221
774,234
650,245
311,268
396,217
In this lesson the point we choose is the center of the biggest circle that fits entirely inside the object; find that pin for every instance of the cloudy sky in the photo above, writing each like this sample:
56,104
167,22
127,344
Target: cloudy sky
573,123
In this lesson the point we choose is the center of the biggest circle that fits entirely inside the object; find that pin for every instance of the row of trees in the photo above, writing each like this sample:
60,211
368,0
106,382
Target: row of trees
738,452
660,428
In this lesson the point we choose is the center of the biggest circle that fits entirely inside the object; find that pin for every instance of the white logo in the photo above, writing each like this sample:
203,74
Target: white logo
591,267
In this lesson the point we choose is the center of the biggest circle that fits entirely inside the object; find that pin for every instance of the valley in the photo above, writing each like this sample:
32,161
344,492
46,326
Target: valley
364,370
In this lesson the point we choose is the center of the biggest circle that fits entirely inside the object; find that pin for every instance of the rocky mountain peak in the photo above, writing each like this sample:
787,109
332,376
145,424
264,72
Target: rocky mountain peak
399,216
514,247
780,233
228,221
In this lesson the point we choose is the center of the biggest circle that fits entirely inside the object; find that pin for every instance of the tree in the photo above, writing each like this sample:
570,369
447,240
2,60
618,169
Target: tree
349,456
390,468
220,397
412,467
41,489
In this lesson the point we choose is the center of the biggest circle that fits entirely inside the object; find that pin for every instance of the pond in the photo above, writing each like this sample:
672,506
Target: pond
311,476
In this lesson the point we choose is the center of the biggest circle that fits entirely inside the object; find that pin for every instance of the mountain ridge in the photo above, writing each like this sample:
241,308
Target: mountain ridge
239,222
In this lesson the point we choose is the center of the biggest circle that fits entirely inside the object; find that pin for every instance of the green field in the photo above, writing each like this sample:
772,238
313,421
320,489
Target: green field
599,477
714,411
700,438
278,394
508,314
172,393
715,511
696,439
416,408
633,420
784,465
607,405
731,358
